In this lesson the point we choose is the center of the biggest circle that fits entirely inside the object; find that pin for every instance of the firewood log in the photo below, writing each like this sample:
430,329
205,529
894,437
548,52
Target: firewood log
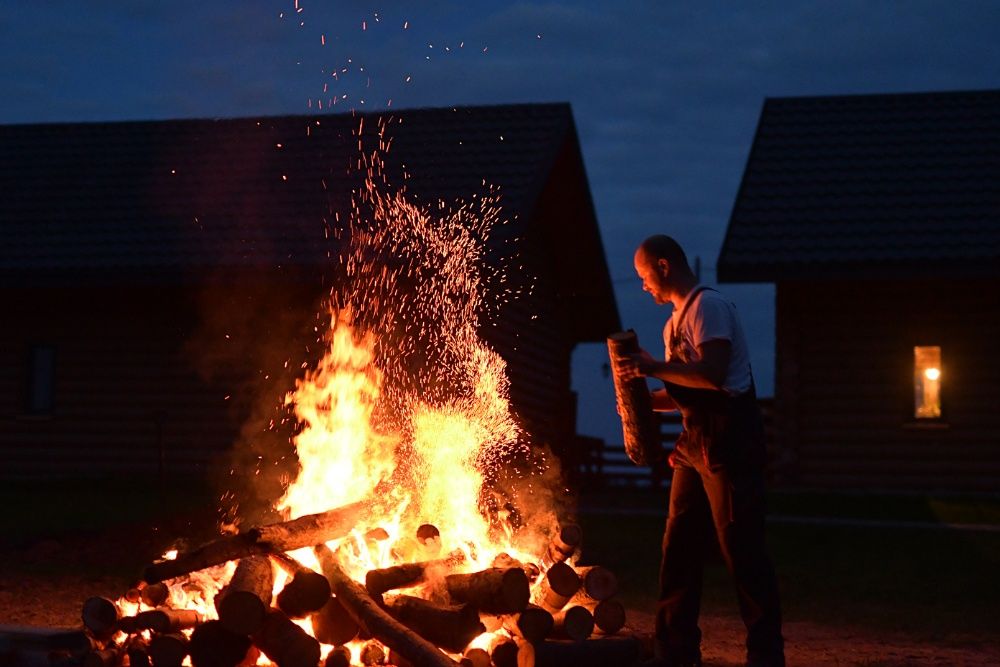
338,657
164,621
138,654
560,583
279,537
609,617
243,603
574,622
451,628
333,624
563,545
154,595
306,593
494,590
285,643
372,653
374,619
599,583
642,434
478,657
427,532
168,650
504,654
212,645
100,617
533,624
408,574
617,651
505,560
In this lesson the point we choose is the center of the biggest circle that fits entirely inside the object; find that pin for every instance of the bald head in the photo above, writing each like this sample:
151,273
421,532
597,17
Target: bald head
663,268
662,246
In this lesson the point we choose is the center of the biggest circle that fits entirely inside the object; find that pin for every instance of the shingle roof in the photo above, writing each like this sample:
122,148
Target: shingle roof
243,192
881,185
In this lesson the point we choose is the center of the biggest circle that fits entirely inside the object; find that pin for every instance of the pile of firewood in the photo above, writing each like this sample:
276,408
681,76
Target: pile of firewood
539,613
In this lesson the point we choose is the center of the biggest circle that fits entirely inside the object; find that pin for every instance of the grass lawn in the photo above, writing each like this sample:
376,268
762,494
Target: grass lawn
932,584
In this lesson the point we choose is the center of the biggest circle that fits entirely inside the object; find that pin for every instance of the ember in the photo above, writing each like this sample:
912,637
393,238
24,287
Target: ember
405,428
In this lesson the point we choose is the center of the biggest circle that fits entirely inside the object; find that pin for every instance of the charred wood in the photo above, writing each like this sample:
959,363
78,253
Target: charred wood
533,624
477,657
279,537
243,603
213,645
494,590
561,582
138,654
100,617
163,621
504,654
574,622
285,643
374,619
372,653
609,616
618,651
642,434
451,628
408,574
154,595
307,592
504,560
333,624
168,650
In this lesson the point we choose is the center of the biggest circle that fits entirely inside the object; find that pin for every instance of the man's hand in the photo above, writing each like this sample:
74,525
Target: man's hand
636,365
661,401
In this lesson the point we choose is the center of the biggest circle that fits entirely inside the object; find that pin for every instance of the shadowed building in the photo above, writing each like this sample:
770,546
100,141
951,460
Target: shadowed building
162,281
878,218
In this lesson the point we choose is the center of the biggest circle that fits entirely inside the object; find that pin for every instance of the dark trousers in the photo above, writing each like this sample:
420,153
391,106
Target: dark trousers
729,500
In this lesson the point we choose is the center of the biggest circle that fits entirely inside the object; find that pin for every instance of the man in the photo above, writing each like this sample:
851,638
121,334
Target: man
718,461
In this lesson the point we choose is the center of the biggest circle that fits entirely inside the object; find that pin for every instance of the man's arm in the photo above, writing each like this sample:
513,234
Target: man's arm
708,372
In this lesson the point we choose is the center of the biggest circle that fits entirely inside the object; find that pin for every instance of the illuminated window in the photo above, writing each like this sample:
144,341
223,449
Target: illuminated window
927,379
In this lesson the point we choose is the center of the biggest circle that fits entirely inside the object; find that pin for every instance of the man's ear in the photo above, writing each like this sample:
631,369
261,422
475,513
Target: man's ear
663,266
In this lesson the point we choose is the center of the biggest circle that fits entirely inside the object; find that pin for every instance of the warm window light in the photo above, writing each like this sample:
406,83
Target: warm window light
927,382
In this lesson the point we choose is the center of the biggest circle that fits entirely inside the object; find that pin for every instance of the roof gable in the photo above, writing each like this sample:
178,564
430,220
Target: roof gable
879,185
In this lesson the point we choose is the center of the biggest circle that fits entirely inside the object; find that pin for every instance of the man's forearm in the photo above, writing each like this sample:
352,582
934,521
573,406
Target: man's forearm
693,374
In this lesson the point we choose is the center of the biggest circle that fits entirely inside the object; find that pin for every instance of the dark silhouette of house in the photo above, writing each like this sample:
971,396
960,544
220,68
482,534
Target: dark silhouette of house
161,281
878,219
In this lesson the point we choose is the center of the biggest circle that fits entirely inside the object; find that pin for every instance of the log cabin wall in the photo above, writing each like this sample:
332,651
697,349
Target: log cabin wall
844,384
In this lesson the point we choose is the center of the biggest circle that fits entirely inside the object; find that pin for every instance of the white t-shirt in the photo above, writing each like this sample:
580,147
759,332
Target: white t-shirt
712,316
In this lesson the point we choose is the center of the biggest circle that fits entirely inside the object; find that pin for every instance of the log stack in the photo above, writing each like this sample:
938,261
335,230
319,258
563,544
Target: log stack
426,613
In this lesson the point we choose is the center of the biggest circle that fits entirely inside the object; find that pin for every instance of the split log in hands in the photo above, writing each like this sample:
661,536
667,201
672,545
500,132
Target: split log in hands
374,619
278,537
639,427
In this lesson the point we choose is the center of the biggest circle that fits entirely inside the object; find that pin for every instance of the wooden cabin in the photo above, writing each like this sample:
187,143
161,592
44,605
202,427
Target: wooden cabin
877,217
161,282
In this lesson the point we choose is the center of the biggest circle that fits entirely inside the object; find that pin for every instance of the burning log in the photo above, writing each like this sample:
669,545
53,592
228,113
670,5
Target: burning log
243,603
338,657
100,617
504,654
575,622
426,532
279,537
560,584
212,645
408,574
563,545
618,651
372,653
285,643
154,595
138,654
504,560
451,628
163,621
168,650
333,624
374,619
494,590
599,583
642,435
307,592
533,624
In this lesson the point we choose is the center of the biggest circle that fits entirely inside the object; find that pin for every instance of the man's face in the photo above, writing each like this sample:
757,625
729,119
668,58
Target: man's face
653,275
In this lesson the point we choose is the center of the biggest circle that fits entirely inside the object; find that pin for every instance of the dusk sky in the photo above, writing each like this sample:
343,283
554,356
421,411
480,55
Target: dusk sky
666,95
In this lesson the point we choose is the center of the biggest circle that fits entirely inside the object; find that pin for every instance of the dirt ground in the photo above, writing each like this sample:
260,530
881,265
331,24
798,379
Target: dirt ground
55,600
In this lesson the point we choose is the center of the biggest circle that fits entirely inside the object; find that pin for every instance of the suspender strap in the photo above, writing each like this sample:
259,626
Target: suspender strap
675,334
